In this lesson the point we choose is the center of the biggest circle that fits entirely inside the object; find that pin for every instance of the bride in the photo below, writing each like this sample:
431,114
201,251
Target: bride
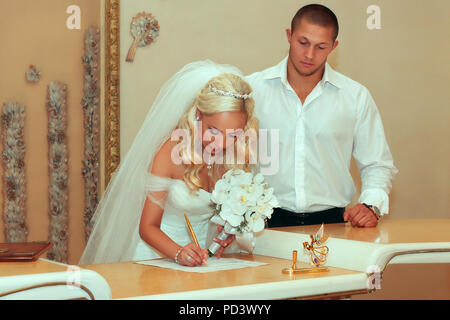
163,177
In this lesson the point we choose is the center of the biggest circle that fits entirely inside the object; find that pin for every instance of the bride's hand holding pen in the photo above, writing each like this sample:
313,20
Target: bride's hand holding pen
195,254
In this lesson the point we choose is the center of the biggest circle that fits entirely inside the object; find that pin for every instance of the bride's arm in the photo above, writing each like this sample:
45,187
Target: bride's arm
150,232
150,223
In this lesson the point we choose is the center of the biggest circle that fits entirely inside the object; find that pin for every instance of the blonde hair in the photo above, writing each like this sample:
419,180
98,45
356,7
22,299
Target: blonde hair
208,102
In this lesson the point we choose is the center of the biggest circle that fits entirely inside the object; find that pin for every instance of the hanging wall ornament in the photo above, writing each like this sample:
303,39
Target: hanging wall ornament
13,161
91,119
58,171
144,29
33,74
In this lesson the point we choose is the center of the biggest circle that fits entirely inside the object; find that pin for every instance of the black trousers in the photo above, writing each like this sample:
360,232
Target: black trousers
285,218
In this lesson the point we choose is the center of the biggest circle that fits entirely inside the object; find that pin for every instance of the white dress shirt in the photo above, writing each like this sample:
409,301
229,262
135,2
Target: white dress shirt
317,139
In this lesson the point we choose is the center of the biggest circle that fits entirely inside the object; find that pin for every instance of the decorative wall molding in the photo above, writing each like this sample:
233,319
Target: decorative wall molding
33,74
58,171
14,175
112,88
91,122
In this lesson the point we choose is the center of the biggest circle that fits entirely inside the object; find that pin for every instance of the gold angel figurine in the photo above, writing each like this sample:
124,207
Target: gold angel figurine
144,29
317,250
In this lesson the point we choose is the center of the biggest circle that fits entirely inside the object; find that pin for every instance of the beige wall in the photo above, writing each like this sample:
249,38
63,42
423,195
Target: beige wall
405,65
34,32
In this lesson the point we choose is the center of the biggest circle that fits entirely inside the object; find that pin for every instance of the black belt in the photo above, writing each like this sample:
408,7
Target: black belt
285,218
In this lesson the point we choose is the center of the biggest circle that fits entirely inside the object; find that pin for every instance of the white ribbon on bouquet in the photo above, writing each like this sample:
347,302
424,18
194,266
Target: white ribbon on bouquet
245,241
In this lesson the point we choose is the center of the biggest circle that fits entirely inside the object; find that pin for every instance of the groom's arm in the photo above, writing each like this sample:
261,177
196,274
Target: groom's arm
372,155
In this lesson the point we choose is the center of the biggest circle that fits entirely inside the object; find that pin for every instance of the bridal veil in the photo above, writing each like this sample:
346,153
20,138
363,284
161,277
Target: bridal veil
116,220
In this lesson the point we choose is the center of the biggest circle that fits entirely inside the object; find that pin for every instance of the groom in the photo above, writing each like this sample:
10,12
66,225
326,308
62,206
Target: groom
324,118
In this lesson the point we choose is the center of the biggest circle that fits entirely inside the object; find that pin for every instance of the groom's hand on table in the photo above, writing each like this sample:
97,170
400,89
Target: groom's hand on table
360,216
223,243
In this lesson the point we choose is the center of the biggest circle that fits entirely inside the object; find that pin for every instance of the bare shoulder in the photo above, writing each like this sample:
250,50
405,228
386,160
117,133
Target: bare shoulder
162,162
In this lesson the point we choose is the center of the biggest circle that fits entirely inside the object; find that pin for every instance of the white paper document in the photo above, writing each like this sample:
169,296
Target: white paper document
213,264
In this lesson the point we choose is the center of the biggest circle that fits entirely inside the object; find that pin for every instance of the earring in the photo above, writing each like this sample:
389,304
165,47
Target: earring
197,118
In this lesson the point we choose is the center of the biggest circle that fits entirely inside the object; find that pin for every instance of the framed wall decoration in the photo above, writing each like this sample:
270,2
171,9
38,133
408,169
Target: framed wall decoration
111,89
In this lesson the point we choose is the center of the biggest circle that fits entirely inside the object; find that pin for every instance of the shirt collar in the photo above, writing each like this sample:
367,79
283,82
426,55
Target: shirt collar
280,71
330,76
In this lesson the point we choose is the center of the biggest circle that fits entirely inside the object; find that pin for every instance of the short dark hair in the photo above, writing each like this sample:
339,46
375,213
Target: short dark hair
317,14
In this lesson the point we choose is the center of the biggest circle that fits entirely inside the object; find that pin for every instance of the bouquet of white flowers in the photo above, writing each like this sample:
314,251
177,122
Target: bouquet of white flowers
242,203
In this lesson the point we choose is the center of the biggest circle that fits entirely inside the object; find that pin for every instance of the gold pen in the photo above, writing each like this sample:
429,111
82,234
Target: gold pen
191,231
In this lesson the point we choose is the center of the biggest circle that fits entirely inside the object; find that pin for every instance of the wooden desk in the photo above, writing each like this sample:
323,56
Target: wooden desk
131,280
388,231
392,241
356,254
33,267
353,254
45,279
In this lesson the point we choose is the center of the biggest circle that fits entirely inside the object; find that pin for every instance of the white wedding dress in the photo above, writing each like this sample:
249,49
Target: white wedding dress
178,201
115,236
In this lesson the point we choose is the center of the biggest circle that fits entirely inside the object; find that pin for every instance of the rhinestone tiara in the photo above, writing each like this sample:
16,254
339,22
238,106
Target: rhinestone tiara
230,94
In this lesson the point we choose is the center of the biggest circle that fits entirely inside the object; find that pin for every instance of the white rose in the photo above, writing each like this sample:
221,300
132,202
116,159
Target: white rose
228,213
220,192
241,178
227,175
257,190
255,222
259,178
241,199
264,210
